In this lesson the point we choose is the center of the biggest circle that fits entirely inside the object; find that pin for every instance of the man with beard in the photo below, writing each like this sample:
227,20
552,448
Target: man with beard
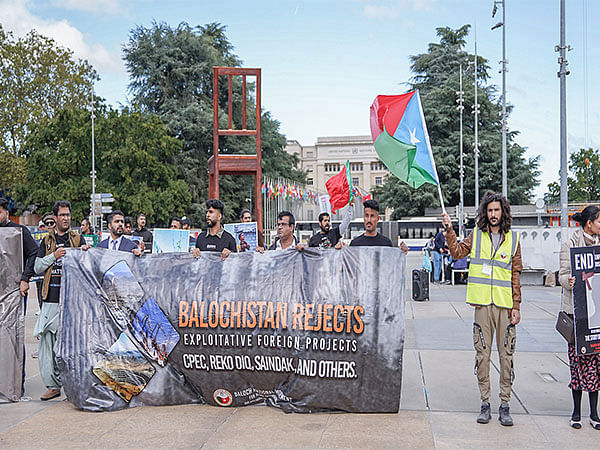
329,237
142,231
494,289
49,262
215,238
371,238
117,241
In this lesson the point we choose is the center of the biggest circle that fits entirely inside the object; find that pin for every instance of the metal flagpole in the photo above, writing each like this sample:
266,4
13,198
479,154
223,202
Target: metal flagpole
476,145
460,107
93,171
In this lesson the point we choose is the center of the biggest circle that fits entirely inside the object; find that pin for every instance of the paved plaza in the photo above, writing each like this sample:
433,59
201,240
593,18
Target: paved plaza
438,408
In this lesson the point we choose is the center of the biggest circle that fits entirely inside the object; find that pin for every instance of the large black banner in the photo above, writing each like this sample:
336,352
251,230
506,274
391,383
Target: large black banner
585,267
12,321
304,331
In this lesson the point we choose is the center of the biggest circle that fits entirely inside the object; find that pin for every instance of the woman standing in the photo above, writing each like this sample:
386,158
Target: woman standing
585,369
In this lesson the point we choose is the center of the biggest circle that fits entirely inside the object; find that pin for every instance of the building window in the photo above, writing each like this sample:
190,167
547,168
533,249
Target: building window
377,165
309,181
378,181
309,154
356,167
332,167
310,214
354,181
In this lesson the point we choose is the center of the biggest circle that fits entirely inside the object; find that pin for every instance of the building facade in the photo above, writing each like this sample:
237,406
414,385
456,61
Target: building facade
328,155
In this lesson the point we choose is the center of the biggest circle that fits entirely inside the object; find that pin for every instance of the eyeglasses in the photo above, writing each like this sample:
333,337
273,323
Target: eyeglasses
282,224
49,223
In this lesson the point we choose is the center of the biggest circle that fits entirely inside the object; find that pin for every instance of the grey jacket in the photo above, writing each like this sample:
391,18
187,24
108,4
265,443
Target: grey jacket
566,298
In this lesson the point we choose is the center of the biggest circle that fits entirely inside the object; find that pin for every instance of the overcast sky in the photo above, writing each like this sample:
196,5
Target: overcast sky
324,61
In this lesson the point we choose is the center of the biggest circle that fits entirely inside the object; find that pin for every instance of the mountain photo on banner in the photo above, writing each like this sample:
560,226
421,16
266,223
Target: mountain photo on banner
339,188
436,76
400,138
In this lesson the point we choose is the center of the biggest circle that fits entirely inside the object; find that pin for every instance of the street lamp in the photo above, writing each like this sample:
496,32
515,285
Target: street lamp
504,69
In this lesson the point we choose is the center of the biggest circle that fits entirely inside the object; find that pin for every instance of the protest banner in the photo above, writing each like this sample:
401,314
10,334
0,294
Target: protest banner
585,267
303,331
245,234
170,240
12,321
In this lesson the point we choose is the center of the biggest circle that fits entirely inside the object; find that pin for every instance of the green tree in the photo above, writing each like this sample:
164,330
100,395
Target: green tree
583,180
134,162
436,75
37,79
170,73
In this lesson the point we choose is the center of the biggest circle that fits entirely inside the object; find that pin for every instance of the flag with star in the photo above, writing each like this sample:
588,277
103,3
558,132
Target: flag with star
401,139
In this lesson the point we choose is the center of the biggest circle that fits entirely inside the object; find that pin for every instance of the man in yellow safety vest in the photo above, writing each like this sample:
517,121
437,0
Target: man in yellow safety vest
494,289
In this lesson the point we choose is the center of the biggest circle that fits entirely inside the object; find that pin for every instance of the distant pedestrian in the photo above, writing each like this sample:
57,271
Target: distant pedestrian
439,244
585,369
494,289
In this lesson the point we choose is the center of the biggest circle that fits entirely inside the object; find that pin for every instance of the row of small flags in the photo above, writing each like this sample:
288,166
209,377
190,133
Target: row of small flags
288,190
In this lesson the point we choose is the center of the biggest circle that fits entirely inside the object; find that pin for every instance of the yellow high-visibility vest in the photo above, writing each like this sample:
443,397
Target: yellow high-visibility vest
490,272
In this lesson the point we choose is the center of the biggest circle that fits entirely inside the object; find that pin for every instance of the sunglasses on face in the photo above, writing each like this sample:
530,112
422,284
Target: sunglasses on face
49,223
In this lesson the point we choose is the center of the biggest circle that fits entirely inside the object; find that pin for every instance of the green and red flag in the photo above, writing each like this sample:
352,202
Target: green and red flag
339,188
401,140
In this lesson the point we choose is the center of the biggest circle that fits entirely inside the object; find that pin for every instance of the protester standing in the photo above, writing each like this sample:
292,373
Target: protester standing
328,237
142,231
29,249
175,223
494,289
128,226
286,224
371,238
49,262
85,227
215,238
245,216
585,369
117,241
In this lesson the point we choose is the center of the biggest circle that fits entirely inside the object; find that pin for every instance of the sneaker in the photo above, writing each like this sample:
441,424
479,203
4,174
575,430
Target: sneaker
504,415
575,422
485,415
595,423
50,394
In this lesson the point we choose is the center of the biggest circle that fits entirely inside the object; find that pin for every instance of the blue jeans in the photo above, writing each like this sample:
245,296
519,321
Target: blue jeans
437,265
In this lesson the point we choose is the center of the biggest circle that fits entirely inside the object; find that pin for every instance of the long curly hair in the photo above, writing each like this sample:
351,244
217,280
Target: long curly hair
482,219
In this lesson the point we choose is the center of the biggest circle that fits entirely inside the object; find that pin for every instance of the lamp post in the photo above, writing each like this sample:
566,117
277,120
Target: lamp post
460,108
504,69
93,116
562,49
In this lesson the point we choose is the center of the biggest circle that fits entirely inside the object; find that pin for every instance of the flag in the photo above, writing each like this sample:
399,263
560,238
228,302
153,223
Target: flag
401,139
339,188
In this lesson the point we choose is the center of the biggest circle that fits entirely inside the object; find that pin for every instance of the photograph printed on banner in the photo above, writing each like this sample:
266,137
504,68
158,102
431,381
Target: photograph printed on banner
245,234
123,293
154,332
585,267
124,369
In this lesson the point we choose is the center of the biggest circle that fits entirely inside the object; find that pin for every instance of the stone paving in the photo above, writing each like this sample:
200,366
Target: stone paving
439,398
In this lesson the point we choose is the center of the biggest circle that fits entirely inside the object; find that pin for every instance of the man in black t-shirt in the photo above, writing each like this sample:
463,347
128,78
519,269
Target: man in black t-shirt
215,238
329,237
371,237
49,262
144,232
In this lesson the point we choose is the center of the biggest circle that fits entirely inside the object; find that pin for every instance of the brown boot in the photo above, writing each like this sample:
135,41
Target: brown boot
50,394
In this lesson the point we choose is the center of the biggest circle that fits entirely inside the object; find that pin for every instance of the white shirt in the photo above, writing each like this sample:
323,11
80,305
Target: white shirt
112,242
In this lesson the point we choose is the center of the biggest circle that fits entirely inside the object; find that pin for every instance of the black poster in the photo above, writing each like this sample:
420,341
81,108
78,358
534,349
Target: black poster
585,267
303,331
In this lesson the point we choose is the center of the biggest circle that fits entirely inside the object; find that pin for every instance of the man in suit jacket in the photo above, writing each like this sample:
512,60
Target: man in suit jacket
117,241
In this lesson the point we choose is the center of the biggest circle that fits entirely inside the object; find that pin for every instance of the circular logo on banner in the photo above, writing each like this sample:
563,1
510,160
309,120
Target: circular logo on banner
582,350
223,397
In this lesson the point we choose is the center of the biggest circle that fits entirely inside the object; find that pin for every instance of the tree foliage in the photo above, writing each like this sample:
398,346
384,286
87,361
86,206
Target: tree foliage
171,75
134,162
37,79
436,75
583,180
